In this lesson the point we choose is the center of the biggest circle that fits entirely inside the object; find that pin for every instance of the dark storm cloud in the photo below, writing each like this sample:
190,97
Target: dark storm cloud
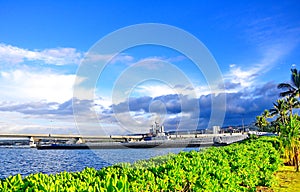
133,104
230,85
138,104
172,103
51,108
242,106
250,103
29,108
79,106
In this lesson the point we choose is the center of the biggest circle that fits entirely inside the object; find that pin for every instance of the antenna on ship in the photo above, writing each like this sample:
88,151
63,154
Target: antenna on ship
177,125
51,127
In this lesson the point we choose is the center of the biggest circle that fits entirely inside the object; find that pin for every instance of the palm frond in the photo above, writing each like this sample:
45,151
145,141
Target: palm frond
295,77
285,85
273,112
286,93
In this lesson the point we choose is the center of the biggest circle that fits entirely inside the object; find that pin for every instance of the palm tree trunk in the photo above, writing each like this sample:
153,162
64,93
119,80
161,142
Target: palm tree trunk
283,119
296,159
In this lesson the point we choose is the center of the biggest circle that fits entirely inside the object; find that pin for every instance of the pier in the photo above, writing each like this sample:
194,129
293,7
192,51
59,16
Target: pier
76,139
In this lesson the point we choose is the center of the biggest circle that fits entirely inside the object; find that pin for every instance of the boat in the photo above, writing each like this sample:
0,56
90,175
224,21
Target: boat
155,138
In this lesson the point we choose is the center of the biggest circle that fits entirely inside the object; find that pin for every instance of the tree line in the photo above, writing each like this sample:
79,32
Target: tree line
283,119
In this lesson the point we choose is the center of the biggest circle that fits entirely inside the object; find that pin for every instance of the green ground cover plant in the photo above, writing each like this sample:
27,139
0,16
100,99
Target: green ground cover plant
238,167
283,119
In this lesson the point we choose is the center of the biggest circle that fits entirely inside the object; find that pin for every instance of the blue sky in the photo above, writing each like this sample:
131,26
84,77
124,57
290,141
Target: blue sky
42,44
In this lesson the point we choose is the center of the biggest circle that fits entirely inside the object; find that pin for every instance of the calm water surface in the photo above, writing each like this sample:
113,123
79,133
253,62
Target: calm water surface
27,160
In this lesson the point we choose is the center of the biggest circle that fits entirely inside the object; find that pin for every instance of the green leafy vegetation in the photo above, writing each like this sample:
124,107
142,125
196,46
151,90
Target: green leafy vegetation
284,120
238,167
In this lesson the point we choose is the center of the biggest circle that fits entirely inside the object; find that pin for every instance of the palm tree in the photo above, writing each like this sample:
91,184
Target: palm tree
294,87
276,126
290,135
292,103
266,114
261,122
279,109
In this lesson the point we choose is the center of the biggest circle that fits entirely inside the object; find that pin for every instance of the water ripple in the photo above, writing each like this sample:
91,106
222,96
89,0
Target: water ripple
26,161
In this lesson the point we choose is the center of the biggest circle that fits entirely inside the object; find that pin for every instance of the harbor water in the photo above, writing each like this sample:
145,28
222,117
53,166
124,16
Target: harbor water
27,161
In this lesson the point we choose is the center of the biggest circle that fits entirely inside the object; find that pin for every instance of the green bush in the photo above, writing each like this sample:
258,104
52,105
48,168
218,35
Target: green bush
238,167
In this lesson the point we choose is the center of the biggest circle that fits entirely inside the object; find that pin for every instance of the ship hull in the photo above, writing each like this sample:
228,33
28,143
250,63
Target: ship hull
126,145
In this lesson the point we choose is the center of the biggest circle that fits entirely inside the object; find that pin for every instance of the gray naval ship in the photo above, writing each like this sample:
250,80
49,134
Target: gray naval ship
156,137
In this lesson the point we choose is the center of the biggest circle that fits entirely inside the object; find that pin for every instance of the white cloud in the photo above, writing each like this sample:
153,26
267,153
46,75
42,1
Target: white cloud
268,32
248,76
57,56
91,57
155,90
243,77
273,38
161,90
104,102
24,85
60,56
156,63
14,122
